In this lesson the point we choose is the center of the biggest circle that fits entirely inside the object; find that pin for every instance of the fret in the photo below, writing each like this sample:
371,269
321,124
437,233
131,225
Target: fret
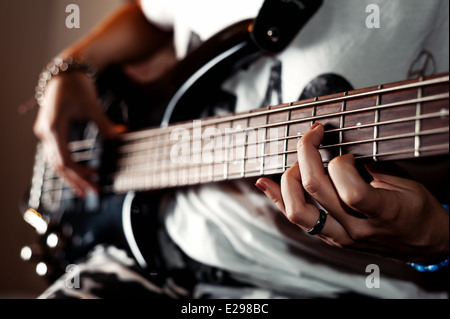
375,127
195,167
314,112
162,161
153,180
285,143
153,163
225,129
216,152
225,150
341,124
263,147
208,162
244,152
262,158
166,162
417,123
164,174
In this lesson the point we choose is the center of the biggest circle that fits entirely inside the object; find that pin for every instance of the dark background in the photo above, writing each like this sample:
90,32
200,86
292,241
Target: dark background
31,33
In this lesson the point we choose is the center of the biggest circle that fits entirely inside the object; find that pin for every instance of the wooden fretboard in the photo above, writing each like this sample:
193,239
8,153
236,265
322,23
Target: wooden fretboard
395,121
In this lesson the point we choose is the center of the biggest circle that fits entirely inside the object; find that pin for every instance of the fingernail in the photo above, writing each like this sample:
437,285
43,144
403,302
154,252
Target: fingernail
316,124
261,185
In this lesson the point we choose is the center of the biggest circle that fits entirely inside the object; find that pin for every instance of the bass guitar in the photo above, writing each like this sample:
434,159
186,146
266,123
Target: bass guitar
396,121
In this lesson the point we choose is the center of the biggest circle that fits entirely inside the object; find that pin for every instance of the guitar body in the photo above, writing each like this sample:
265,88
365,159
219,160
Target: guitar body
123,220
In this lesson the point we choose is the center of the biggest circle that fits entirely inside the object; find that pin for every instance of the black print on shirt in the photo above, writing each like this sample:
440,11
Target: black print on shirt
274,86
324,84
194,42
423,65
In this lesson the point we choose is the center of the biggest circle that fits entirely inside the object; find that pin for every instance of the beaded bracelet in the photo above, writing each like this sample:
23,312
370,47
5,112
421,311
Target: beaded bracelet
429,268
421,267
57,66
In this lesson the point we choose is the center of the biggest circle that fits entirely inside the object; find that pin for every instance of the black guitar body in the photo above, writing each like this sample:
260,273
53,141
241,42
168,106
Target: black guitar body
125,219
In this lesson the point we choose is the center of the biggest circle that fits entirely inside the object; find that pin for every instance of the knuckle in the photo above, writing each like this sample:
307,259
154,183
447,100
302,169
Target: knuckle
345,243
277,201
305,139
37,130
300,143
360,233
342,241
44,129
311,184
352,197
293,216
53,127
334,164
288,174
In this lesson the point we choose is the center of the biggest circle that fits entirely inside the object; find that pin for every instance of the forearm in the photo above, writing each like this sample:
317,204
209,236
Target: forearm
123,37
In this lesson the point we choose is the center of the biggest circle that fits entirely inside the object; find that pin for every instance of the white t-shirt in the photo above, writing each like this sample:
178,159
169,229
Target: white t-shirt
234,226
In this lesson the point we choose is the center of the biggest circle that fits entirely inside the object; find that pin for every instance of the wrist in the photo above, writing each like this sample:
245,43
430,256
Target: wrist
83,54
58,66
441,260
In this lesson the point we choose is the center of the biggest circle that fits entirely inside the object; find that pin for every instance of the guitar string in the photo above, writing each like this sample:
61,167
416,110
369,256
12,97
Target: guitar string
162,130
162,148
249,173
158,148
133,169
187,167
91,154
437,97
68,194
291,106
79,145
94,153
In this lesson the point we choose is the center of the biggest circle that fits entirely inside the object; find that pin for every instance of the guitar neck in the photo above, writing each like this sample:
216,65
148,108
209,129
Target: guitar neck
401,120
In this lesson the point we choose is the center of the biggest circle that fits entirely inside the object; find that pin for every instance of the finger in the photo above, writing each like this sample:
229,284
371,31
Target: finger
272,191
302,213
386,178
354,191
298,211
80,178
289,198
313,177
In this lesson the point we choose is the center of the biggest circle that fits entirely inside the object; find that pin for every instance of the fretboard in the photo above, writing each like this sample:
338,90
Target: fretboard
388,122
